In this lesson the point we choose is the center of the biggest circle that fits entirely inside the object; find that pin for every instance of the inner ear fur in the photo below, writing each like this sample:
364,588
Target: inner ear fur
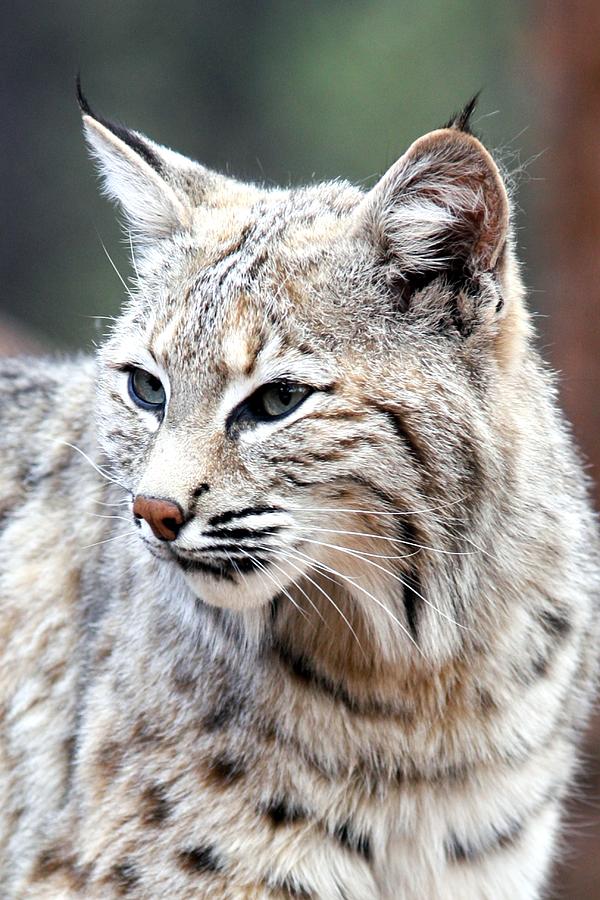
441,206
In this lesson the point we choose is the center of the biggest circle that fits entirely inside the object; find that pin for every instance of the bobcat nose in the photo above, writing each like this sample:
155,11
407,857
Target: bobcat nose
164,517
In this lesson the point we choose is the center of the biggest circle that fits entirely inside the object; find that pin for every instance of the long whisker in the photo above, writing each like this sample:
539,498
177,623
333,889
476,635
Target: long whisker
382,537
115,537
304,574
133,261
368,594
299,586
358,555
276,582
98,469
119,276
100,516
379,512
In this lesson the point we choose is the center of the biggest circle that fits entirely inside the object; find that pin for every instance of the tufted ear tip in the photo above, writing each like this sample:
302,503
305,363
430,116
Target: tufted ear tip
461,121
84,106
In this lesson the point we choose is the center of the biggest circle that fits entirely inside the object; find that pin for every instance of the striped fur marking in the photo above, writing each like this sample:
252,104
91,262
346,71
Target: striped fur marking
303,671
355,841
460,851
224,517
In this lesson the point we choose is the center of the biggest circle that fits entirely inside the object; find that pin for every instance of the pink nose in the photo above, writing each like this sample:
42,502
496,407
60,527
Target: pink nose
164,517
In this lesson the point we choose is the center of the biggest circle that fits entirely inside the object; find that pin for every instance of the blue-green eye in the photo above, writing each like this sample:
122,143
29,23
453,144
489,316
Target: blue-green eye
278,398
146,390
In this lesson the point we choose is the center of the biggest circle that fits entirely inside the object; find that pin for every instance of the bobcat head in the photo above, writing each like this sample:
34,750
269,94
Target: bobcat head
305,388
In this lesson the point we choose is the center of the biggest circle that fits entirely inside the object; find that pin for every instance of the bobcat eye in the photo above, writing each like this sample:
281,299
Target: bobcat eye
277,399
146,390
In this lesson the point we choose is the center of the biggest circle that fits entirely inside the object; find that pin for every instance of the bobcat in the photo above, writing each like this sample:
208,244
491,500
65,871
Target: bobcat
299,574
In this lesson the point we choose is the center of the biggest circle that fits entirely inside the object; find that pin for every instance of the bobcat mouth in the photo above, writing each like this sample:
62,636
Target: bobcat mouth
229,551
239,555
222,568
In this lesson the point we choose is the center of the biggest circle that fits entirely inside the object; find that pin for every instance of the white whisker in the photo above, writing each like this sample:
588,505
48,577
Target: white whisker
276,582
367,593
304,574
358,555
119,276
300,588
378,512
100,516
98,469
115,537
133,262
394,541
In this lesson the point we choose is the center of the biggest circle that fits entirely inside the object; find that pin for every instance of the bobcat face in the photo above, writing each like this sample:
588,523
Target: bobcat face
301,381
252,421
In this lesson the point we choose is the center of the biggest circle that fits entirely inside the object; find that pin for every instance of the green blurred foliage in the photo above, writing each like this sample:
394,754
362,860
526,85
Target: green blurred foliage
276,92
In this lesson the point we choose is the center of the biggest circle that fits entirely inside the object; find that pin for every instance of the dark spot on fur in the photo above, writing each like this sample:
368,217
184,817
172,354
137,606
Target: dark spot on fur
407,438
222,518
53,860
256,265
155,805
485,700
281,811
184,679
540,666
241,534
103,651
200,859
50,861
356,841
124,876
143,732
412,603
70,746
557,625
218,571
225,711
224,771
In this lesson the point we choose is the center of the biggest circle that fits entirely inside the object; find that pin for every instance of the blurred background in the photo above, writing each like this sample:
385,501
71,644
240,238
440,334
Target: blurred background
292,91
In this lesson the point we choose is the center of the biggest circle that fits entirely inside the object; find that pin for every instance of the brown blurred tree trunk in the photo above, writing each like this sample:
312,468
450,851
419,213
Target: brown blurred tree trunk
569,65
567,56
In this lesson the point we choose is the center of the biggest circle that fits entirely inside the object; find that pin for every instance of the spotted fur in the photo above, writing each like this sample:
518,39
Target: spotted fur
360,669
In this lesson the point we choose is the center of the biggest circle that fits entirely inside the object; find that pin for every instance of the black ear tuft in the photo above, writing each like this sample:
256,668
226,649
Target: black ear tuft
130,138
461,121
84,106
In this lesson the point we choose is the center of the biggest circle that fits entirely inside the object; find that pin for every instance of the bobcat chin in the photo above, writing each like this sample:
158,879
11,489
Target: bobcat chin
299,573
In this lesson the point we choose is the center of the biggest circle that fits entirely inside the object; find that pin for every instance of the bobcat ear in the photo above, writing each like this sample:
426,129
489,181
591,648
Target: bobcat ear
140,175
442,207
